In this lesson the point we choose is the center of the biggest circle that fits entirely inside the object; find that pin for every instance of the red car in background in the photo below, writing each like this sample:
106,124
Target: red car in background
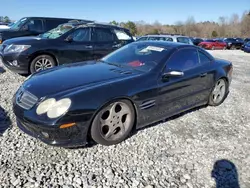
213,44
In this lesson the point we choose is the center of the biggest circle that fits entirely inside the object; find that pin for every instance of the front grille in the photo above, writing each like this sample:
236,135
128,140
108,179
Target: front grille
25,99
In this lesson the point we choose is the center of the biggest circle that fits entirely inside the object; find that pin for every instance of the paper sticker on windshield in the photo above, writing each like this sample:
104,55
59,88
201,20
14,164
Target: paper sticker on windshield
152,48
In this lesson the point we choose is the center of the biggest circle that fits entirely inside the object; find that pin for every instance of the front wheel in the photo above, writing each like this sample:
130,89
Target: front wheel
42,62
219,93
113,123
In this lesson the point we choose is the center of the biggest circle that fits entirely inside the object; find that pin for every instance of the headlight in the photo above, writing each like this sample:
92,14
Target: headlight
54,108
16,48
45,106
59,108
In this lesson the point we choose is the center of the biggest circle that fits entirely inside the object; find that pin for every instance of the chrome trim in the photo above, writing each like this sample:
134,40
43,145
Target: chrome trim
25,99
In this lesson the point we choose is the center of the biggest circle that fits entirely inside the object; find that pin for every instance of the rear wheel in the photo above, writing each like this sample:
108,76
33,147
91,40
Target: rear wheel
224,48
219,93
212,48
42,62
113,123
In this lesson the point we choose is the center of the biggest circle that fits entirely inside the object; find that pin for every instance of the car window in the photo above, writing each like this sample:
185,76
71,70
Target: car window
203,58
122,35
81,35
183,60
183,40
142,39
103,35
51,24
34,25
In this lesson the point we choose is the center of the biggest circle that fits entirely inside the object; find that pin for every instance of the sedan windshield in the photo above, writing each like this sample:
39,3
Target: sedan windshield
56,32
209,41
140,56
18,24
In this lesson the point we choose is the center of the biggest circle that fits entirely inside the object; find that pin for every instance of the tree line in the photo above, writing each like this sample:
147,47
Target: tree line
234,26
5,19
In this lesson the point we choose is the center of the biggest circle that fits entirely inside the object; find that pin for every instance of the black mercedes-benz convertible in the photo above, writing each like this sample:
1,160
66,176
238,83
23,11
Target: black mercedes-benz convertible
134,86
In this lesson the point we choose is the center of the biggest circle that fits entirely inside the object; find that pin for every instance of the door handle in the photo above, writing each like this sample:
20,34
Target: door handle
88,46
203,74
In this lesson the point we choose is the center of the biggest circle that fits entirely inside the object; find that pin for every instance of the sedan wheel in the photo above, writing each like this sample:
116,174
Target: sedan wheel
219,93
213,48
113,123
42,62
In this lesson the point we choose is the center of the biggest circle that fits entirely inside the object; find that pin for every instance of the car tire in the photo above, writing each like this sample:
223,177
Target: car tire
42,61
212,48
224,48
219,92
113,123
232,47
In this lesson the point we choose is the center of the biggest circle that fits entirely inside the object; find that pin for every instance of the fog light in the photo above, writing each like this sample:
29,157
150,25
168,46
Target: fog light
15,63
46,135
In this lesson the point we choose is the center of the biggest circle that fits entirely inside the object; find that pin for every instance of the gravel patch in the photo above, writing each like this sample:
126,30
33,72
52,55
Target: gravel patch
203,148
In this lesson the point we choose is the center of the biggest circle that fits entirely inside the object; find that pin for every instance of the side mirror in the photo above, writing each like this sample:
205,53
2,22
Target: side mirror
170,74
69,38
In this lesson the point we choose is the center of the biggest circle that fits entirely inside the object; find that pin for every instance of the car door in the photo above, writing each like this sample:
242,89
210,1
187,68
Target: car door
181,84
104,41
78,46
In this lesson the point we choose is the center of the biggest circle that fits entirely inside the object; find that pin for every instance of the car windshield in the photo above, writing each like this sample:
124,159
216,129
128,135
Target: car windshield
230,40
239,39
18,24
209,41
56,32
140,56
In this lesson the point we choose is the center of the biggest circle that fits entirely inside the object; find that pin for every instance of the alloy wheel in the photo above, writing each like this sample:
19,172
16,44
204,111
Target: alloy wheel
42,64
115,120
219,91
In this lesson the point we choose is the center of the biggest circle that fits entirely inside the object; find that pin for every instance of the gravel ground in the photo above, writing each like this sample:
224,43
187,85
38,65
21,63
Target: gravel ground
206,148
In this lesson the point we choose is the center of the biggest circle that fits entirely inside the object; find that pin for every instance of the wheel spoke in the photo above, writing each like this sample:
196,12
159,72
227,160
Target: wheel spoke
219,91
109,133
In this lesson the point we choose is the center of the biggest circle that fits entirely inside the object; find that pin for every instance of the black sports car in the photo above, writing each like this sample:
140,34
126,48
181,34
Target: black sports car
134,86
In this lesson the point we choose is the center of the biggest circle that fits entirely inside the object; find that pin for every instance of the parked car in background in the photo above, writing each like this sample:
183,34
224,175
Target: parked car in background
233,43
247,47
31,26
135,86
246,40
211,44
67,43
4,25
170,38
197,41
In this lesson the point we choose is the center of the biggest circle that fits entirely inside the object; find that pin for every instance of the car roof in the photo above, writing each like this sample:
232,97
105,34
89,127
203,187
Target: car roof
166,35
88,23
166,44
36,17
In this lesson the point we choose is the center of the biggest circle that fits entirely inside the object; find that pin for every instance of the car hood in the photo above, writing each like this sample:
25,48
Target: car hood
75,76
4,27
23,40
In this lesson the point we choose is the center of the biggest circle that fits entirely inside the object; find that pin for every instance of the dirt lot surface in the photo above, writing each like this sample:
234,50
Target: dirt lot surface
204,148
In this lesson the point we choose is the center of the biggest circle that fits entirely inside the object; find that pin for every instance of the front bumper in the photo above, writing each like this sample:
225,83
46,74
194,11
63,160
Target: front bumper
69,137
21,64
